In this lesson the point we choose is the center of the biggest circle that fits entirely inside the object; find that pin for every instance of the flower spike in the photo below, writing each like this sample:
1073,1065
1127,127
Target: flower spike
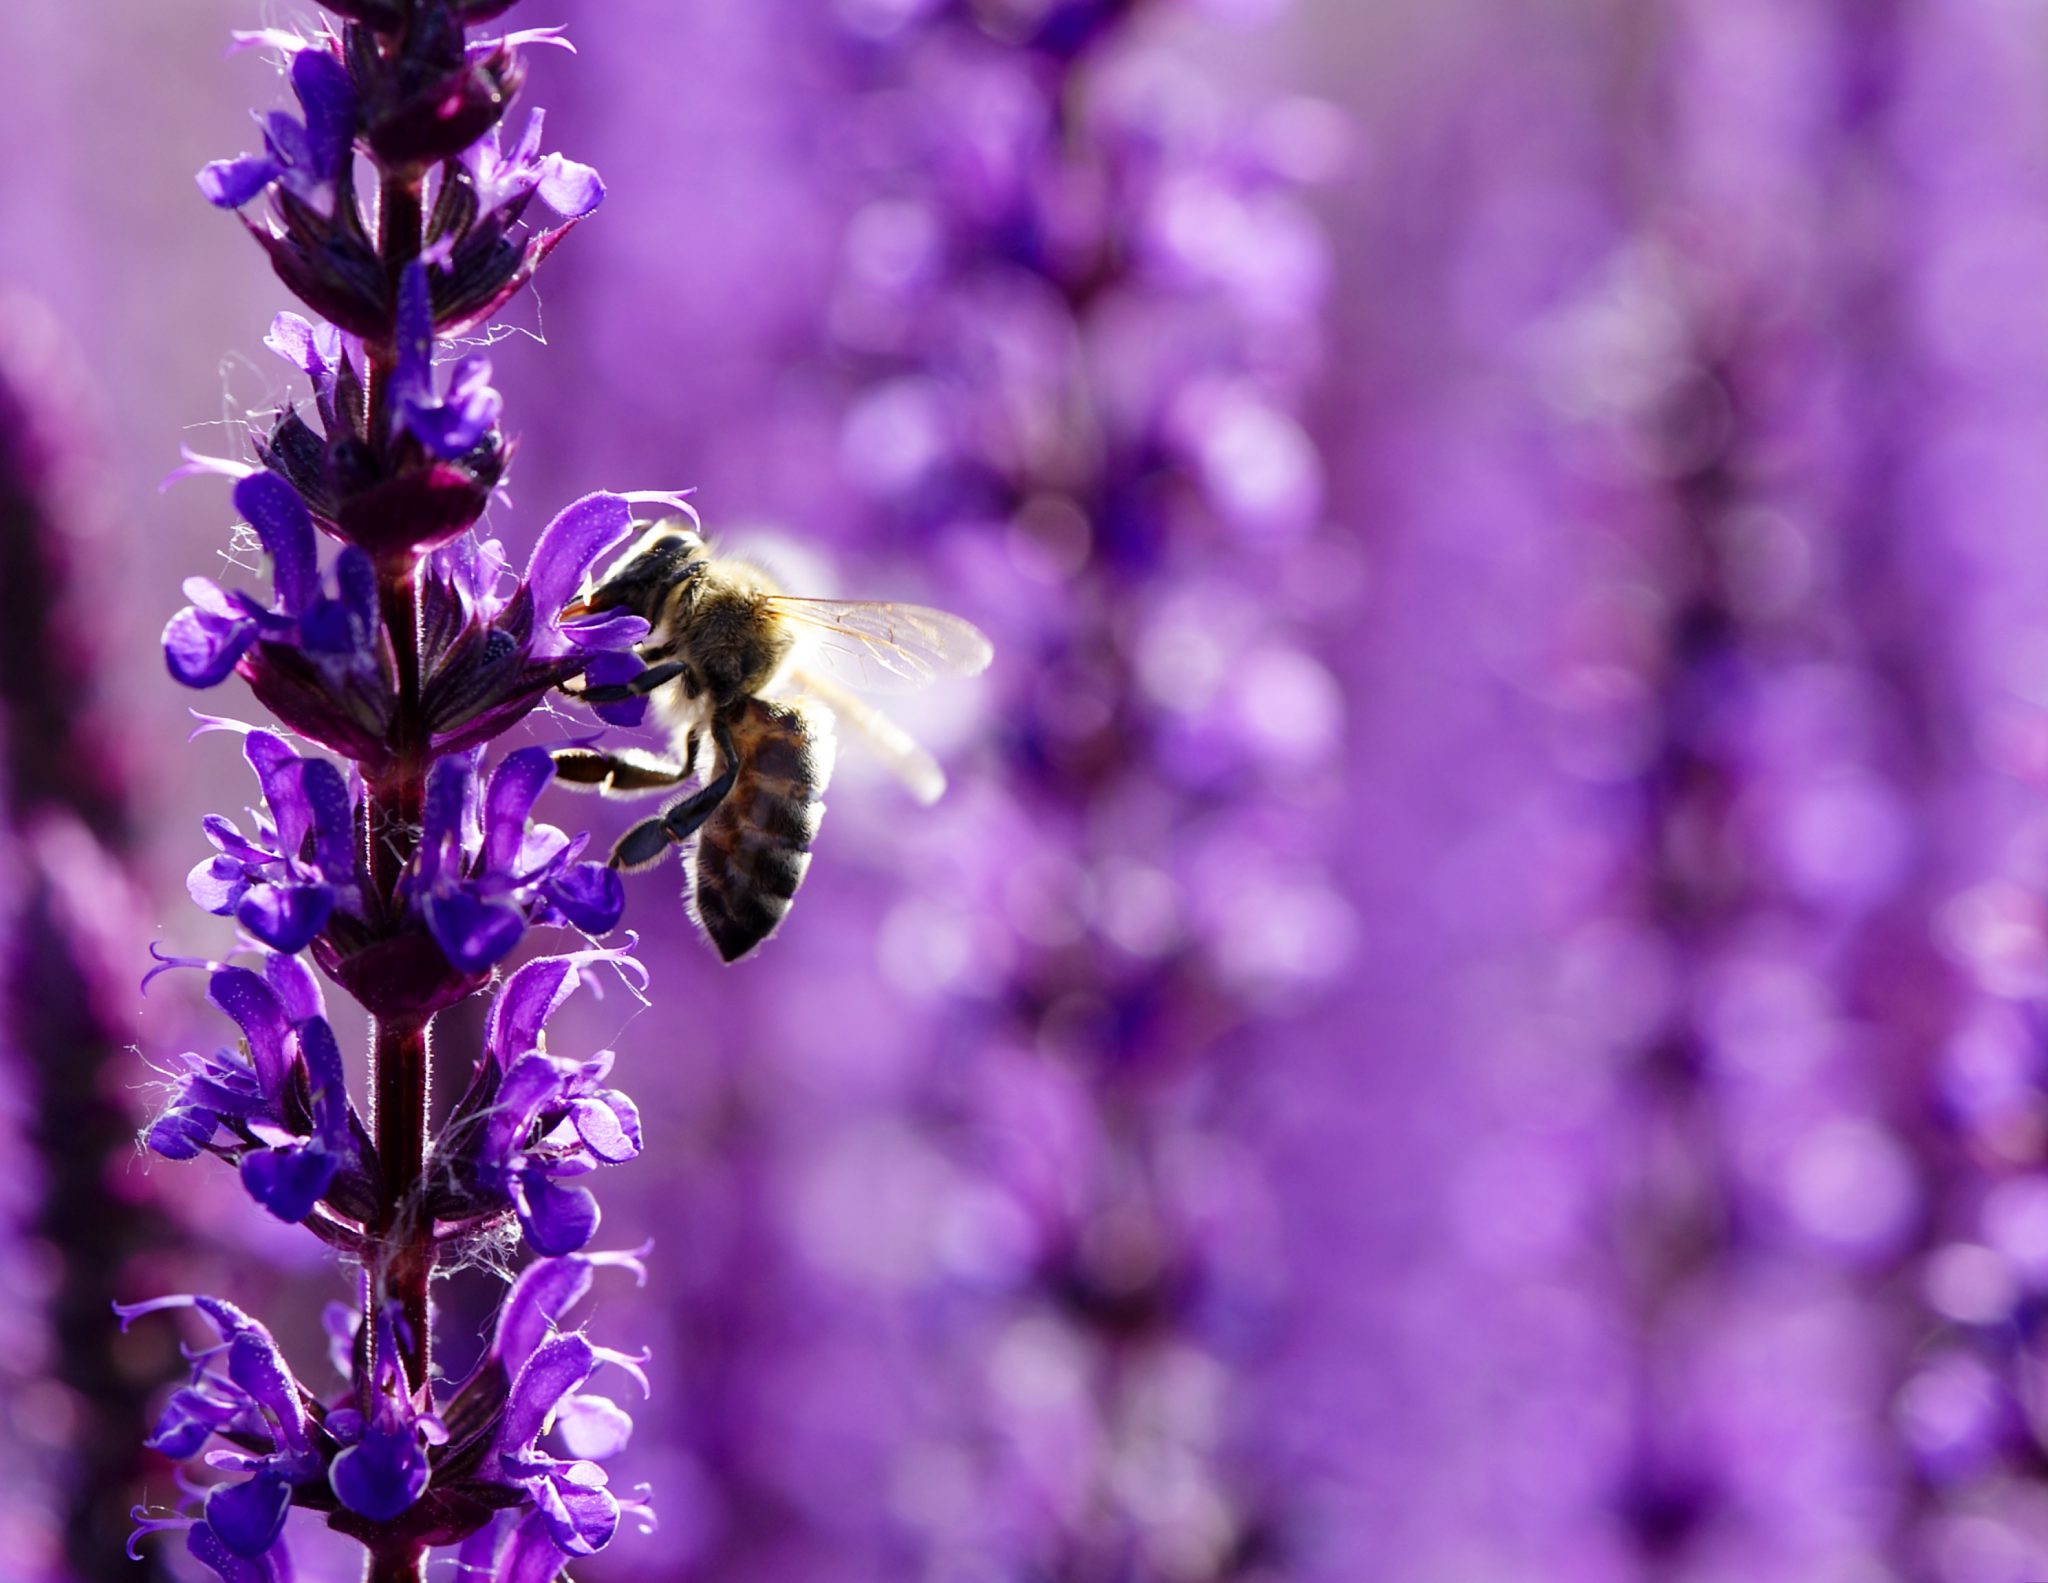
392,844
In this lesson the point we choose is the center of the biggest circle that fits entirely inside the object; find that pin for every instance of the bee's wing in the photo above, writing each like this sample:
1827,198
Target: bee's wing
882,647
896,748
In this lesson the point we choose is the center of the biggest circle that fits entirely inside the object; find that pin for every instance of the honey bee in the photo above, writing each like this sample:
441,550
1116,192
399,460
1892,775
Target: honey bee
758,677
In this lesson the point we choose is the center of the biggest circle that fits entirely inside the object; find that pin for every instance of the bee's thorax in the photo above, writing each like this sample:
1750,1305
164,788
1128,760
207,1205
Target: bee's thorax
722,625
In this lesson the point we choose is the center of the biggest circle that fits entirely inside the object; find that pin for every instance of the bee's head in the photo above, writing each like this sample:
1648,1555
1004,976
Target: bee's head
641,580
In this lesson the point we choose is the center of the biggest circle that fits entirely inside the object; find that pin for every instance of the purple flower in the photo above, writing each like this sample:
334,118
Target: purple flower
332,362
244,1392
572,1503
596,1125
484,873
283,1097
451,426
481,252
518,1017
546,1290
425,477
282,882
489,657
401,1459
502,179
203,641
382,1469
319,657
308,158
294,1174
205,1544
529,1384
314,347
532,1119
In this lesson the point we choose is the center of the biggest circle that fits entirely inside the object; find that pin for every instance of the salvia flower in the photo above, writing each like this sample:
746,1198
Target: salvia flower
489,657
409,876
479,248
441,1474
532,1119
451,425
282,882
316,656
242,1391
277,1105
381,1469
502,178
420,482
569,1495
484,873
307,158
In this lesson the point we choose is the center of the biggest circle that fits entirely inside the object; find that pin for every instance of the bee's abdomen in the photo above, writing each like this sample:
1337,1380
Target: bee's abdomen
752,852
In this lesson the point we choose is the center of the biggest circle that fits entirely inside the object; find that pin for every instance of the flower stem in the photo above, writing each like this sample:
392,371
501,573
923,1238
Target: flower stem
400,1564
401,1068
402,1258
404,1245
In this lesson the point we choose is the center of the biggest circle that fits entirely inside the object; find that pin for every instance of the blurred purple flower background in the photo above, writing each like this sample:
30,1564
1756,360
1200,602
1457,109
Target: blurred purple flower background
1476,1006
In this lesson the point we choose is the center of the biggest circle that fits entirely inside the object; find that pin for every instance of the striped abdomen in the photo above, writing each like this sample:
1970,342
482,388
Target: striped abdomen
753,850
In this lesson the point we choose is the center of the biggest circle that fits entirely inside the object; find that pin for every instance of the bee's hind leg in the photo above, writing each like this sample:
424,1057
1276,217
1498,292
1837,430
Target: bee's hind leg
638,687
626,772
648,841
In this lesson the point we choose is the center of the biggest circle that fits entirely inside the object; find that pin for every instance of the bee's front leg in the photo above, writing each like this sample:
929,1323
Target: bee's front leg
638,687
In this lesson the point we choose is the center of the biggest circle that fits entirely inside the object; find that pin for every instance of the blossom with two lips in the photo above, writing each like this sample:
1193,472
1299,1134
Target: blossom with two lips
281,1098
307,159
485,871
406,1467
243,1392
283,881
533,1121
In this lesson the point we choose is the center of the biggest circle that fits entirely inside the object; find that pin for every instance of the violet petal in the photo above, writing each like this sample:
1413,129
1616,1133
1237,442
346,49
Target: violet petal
593,1427
285,917
473,934
257,1012
383,1474
590,895
544,1292
609,1127
328,96
557,1367
288,1181
273,508
230,183
556,1219
205,1546
182,1132
200,649
576,537
249,1516
581,1517
515,784
297,990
